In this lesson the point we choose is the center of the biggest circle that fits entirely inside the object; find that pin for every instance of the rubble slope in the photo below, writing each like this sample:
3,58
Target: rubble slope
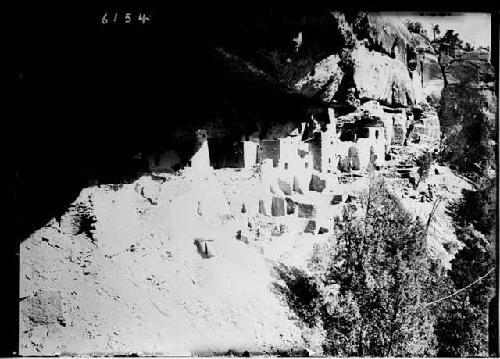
136,282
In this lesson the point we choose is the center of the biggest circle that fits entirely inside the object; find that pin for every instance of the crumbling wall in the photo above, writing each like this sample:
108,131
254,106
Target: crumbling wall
306,210
317,184
269,149
225,153
164,161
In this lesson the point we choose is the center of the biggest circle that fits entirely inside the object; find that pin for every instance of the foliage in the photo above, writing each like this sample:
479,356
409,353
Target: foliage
300,293
450,40
414,26
435,30
374,278
376,292
462,330
468,47
476,208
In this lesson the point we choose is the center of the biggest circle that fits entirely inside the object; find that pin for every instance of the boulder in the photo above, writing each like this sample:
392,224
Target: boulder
310,227
336,199
323,81
323,230
290,206
317,184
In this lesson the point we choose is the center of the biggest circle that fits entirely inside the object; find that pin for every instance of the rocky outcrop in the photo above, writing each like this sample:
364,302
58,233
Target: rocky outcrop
432,78
468,81
425,127
380,77
384,34
479,73
323,81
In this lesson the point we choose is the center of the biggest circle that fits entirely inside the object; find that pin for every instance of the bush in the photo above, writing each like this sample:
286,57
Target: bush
476,208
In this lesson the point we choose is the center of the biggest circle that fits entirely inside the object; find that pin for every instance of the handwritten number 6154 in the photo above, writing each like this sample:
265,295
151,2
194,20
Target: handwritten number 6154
128,18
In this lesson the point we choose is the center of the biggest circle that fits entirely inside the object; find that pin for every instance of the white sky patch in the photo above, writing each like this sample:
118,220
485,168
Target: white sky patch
474,28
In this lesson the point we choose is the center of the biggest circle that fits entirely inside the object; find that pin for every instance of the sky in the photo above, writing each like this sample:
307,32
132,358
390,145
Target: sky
474,28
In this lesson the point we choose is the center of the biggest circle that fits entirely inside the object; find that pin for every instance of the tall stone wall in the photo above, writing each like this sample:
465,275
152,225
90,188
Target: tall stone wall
225,153
269,149
315,147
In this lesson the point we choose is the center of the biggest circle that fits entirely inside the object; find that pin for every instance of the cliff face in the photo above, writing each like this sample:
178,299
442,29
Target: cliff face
467,79
332,57
382,78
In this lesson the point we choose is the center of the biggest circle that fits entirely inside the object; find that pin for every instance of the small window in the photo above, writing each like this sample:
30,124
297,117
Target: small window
329,160
306,165
376,134
286,166
331,142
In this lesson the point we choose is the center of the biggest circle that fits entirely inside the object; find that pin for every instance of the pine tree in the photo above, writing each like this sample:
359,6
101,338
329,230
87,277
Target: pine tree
435,30
376,278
